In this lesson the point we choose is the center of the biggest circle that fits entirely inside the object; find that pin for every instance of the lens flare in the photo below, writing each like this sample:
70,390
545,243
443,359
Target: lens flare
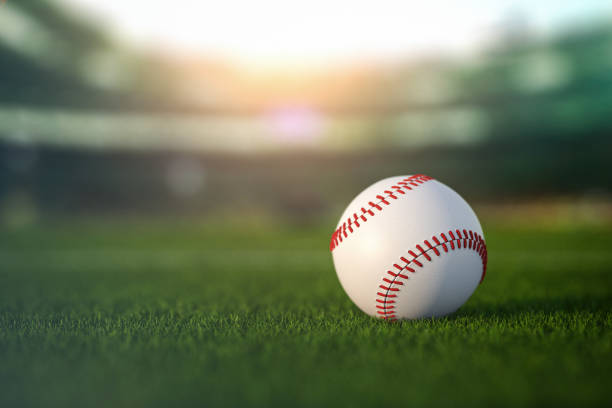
295,124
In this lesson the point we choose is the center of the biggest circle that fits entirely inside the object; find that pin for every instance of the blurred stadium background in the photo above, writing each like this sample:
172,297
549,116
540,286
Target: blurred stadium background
191,109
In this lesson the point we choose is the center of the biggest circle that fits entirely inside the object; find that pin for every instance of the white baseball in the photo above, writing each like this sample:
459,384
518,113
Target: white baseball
409,247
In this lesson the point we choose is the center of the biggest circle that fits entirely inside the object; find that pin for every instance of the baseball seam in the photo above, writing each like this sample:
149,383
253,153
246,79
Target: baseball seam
392,281
392,193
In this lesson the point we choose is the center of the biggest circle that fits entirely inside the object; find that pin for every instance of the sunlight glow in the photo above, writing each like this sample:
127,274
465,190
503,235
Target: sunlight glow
272,32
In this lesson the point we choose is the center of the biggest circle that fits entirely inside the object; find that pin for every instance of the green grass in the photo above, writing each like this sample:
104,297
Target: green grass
194,314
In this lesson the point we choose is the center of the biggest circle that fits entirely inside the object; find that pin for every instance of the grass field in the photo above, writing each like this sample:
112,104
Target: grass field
198,314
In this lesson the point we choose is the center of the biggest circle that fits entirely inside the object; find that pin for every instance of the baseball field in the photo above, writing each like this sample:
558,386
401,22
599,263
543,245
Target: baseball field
182,313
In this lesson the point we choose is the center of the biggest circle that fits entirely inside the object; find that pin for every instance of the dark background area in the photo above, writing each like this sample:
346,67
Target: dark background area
69,181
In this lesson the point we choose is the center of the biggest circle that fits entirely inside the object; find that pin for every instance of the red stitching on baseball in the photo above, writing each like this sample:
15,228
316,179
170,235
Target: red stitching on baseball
433,247
405,185
397,274
471,240
390,194
417,180
363,210
382,200
393,282
423,252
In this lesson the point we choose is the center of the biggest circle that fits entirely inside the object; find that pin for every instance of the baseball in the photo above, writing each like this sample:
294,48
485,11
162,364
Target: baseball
409,247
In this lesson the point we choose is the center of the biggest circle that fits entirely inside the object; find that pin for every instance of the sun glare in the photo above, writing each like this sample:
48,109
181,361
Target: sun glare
269,33
273,32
